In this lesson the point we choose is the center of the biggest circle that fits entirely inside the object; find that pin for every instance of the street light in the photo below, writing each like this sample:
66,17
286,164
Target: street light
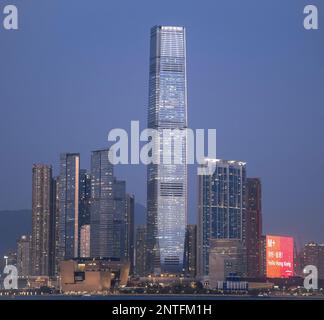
6,258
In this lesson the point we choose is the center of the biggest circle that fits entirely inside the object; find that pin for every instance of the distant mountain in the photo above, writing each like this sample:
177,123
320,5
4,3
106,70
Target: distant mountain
16,223
13,224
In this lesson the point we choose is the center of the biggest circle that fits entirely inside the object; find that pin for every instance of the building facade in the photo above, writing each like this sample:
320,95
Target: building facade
102,206
130,230
41,218
313,254
24,256
221,207
85,241
140,251
226,257
93,275
253,227
190,259
69,206
55,227
85,198
84,202
167,182
119,221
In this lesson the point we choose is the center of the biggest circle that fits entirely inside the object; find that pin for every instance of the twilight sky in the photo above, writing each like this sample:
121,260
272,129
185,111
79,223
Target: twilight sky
76,69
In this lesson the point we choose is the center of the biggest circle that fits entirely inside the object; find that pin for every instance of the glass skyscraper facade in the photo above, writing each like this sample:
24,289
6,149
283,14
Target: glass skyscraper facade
69,205
221,207
253,226
108,210
119,230
41,219
24,263
167,183
85,197
102,205
130,230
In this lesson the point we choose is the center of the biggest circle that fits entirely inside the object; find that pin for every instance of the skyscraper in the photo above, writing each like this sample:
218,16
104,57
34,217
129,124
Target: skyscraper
41,218
102,206
190,259
221,207
84,202
167,183
313,254
69,205
130,238
85,197
119,220
140,251
263,266
85,241
54,226
24,256
253,227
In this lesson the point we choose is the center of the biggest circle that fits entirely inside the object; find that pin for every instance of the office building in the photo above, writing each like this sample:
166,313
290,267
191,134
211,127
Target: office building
140,251
24,256
54,227
190,259
85,241
226,258
102,206
313,254
69,205
85,198
167,182
41,219
130,231
221,207
263,245
119,221
253,227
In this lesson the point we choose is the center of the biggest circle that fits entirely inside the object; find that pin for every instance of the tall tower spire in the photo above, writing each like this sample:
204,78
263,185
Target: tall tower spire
167,183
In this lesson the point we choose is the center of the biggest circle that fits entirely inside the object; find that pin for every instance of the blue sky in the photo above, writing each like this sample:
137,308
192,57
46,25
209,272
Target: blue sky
76,69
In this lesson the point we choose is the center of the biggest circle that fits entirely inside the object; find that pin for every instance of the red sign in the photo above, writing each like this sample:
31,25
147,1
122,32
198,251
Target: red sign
280,257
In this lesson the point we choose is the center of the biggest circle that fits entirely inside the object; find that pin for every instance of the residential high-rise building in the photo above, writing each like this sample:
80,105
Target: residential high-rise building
11,258
119,222
140,251
41,218
111,211
253,227
85,241
167,181
24,256
190,259
69,205
221,207
54,227
263,244
102,224
130,237
84,201
313,254
85,198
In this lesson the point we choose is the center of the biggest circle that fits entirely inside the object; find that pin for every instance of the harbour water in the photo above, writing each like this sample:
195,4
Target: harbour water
161,297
